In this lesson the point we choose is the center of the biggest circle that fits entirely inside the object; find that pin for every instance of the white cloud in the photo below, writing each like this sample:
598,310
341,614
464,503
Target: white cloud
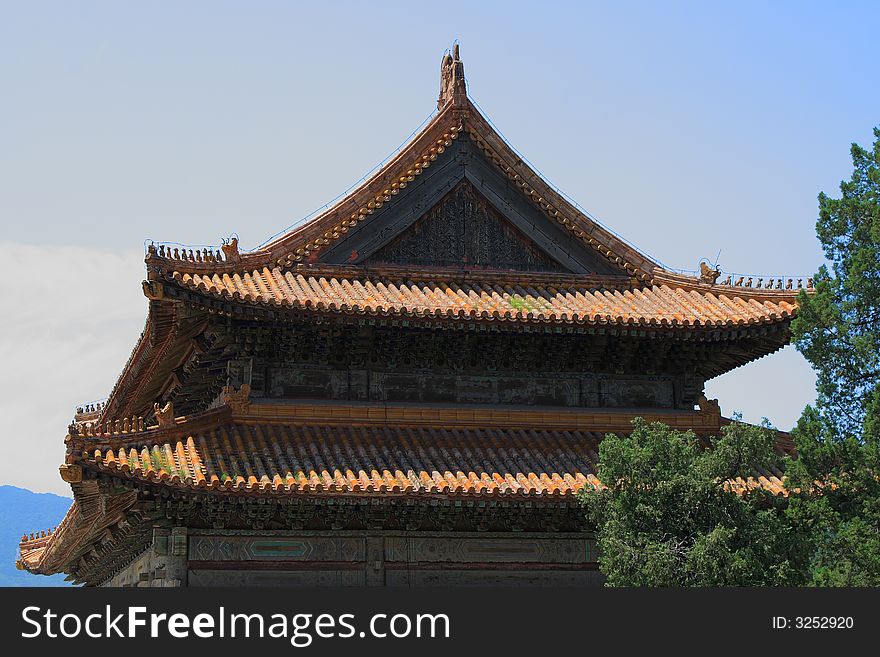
71,318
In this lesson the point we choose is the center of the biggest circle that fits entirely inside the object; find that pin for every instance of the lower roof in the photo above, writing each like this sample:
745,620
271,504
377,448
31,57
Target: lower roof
309,450
326,460
321,448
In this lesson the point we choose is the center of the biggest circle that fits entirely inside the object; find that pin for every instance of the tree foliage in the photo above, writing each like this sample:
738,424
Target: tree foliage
838,328
835,500
836,478
668,516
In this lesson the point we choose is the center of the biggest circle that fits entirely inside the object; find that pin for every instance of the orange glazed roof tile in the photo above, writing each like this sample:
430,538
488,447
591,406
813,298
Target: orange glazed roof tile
307,460
522,300
282,271
272,459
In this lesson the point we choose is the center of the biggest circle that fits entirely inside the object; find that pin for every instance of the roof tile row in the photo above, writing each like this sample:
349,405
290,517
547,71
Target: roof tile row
281,459
658,305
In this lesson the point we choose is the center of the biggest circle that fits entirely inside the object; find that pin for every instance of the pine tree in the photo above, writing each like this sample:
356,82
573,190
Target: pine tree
835,481
667,514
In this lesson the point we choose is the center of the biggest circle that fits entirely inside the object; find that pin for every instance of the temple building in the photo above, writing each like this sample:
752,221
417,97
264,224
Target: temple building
408,389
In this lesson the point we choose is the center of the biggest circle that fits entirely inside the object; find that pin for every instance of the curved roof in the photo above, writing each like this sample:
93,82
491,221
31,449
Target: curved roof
307,242
293,271
319,449
516,299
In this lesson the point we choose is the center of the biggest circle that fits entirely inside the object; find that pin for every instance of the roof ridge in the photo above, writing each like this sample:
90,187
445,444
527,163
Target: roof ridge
116,434
751,286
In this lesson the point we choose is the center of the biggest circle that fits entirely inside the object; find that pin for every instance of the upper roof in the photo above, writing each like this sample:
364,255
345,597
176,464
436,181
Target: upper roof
491,298
386,250
358,254
457,116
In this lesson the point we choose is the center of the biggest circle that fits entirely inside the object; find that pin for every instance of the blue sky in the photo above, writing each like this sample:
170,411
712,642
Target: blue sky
688,128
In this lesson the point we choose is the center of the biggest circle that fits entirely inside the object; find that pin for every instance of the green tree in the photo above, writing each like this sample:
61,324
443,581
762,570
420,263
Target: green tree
835,481
835,501
668,516
838,328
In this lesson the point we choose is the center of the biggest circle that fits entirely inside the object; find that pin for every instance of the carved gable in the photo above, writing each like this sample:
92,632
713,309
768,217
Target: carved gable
464,230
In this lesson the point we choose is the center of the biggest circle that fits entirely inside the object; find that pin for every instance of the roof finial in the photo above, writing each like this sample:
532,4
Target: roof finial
452,84
708,273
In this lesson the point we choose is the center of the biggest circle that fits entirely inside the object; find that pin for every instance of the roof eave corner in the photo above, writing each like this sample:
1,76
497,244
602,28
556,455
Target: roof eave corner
154,263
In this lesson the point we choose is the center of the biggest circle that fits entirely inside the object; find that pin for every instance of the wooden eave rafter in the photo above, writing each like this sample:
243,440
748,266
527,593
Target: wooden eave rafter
165,346
92,526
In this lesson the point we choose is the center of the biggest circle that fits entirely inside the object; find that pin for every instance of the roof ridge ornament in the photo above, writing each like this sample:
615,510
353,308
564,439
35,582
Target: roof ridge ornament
708,273
230,249
237,400
165,415
709,406
453,87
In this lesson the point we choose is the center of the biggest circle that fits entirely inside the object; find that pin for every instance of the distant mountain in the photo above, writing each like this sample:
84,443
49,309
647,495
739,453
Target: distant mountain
22,512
